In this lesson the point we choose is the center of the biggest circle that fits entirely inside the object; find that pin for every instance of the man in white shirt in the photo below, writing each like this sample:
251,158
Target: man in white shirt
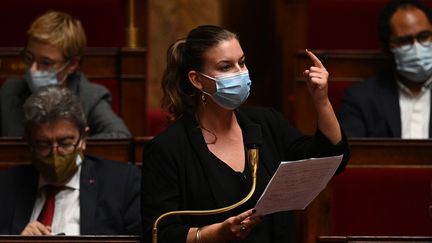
63,191
397,102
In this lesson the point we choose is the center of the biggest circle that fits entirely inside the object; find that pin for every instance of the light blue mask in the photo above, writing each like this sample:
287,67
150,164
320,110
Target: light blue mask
231,89
414,63
42,78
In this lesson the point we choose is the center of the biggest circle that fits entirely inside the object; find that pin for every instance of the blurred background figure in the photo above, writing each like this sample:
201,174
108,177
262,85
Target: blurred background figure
397,102
52,56
63,191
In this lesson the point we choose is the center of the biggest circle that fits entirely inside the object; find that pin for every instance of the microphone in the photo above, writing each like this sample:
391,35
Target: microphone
253,137
253,140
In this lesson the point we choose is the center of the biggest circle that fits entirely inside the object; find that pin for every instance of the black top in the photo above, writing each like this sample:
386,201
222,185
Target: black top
180,173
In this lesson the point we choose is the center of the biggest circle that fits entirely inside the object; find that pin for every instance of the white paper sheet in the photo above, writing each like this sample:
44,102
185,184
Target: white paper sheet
296,183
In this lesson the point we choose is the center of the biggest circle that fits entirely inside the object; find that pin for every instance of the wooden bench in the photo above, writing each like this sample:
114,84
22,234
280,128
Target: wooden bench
15,151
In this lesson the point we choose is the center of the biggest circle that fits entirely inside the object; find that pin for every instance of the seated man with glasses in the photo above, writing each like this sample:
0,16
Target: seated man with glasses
53,53
63,191
396,103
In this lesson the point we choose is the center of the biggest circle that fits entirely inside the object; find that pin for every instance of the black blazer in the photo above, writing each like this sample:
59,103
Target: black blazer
109,198
371,108
180,173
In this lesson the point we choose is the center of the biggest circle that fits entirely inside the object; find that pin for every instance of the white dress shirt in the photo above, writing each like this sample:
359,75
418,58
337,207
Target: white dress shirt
415,111
67,207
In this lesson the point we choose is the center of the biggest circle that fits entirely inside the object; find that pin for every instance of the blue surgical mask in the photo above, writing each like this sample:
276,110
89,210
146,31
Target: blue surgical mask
414,62
231,89
42,78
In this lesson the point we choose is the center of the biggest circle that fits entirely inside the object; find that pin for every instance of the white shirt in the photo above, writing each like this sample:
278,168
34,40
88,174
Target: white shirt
415,111
66,217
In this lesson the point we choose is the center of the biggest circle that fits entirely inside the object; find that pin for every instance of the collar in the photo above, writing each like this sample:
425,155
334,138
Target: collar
425,87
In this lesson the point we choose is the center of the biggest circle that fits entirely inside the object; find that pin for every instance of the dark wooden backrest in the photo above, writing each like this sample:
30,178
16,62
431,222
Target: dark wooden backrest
15,151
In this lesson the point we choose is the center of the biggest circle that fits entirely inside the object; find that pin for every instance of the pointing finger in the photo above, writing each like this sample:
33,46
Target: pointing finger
314,59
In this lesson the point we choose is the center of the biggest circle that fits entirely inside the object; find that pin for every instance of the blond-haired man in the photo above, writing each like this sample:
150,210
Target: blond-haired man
52,56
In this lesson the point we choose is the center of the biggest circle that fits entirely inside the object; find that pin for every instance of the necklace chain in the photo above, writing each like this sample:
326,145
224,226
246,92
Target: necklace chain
200,126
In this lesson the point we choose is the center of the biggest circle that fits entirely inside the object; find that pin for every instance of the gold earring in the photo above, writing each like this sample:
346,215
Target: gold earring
203,98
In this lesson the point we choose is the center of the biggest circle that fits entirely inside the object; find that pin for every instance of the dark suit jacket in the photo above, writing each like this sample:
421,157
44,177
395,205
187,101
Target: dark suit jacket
109,198
95,100
371,108
180,173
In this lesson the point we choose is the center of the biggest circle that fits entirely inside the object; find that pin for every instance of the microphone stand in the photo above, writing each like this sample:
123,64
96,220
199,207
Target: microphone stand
253,158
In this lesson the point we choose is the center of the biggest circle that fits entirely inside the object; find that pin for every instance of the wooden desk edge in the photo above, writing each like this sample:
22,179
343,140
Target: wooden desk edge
337,239
65,238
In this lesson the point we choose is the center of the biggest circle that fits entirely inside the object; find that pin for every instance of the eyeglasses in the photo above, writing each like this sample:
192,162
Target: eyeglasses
42,63
45,149
424,38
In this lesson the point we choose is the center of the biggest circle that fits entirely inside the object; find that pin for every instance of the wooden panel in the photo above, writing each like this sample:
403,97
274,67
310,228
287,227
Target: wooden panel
11,64
101,63
119,149
390,152
133,100
15,151
291,25
68,239
315,219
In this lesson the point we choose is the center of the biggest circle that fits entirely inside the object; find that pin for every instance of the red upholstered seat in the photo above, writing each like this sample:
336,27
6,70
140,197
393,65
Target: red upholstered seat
382,201
157,121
